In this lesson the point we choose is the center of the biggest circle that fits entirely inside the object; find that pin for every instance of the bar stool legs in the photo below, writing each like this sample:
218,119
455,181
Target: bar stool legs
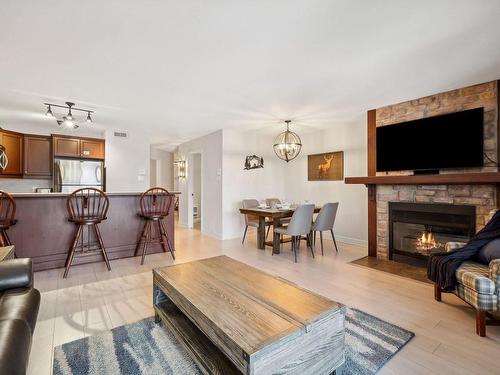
101,245
71,252
147,238
170,247
78,235
4,238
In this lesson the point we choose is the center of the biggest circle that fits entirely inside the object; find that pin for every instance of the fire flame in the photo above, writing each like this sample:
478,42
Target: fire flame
427,237
427,240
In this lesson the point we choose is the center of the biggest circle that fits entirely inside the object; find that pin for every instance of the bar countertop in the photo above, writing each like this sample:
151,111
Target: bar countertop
44,234
55,195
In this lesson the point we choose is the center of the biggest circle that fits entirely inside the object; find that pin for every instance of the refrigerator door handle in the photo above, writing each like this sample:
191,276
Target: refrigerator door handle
98,174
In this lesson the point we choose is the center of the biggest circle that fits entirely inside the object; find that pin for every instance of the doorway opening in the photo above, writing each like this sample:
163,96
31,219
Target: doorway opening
195,194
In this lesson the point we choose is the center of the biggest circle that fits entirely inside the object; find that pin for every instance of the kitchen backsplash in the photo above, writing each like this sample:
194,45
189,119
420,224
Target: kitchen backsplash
11,185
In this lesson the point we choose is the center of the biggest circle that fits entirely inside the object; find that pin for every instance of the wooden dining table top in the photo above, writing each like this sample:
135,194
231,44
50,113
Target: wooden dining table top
273,212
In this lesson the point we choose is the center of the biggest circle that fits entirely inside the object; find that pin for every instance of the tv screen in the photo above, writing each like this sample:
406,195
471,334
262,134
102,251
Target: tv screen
453,140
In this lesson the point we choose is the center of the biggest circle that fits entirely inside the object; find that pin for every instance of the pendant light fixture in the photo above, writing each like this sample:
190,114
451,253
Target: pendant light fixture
287,145
69,120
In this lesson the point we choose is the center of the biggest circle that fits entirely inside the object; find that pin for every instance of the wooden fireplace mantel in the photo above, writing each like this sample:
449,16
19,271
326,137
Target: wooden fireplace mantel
435,179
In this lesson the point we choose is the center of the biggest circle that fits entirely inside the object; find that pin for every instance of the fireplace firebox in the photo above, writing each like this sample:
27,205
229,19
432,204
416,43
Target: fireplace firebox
417,230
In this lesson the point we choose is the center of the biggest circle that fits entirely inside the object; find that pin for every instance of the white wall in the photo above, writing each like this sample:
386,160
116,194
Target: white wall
210,146
239,184
351,223
228,148
50,128
127,162
165,163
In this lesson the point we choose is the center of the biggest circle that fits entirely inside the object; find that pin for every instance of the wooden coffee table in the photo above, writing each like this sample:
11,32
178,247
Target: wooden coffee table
233,318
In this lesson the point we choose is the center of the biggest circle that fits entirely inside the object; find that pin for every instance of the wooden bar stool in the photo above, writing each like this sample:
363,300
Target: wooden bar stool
155,206
7,216
87,207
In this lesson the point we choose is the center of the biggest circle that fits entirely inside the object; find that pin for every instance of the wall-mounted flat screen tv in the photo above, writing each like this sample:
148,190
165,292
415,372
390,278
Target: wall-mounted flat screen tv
453,140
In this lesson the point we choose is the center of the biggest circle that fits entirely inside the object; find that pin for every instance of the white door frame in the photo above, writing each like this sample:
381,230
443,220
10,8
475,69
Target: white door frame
190,189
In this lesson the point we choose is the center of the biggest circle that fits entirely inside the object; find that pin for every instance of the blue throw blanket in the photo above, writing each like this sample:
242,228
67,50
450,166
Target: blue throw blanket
442,266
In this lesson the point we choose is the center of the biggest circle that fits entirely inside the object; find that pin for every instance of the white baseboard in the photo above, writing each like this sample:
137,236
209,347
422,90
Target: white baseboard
349,240
326,236
217,236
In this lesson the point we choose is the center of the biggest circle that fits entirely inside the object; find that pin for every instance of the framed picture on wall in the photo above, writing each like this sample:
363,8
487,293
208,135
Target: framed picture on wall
328,166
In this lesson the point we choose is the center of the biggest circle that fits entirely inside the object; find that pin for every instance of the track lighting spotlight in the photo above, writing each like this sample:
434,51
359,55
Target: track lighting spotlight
69,120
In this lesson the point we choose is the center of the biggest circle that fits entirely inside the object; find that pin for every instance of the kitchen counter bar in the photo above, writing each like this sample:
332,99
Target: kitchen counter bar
44,233
37,195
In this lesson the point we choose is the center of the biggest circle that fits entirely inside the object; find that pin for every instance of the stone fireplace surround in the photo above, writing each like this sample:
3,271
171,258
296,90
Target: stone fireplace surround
481,195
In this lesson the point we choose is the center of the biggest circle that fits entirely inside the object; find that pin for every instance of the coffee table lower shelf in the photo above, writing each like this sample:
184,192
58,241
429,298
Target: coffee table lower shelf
207,356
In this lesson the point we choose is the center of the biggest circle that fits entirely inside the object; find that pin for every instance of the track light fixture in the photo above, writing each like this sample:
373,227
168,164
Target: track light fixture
69,116
68,120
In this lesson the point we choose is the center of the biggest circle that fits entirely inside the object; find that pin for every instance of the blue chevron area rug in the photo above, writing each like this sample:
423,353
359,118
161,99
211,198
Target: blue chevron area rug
147,348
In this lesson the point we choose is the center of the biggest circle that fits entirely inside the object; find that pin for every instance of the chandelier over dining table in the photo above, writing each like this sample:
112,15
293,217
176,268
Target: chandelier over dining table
287,145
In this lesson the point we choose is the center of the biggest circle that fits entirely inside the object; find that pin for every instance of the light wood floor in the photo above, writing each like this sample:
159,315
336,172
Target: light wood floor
92,300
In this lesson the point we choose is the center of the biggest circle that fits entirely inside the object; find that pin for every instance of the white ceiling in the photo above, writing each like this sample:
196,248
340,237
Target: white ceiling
180,69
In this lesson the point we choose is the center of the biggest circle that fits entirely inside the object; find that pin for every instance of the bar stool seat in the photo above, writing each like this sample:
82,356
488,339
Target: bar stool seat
87,220
155,206
153,216
87,207
7,216
6,224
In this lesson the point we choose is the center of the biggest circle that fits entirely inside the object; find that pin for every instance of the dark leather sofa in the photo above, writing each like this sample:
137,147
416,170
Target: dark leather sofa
19,303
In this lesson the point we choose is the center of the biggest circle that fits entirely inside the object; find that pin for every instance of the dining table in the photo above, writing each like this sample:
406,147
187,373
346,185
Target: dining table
272,214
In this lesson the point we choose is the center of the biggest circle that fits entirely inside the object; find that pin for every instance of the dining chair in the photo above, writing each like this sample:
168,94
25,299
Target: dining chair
272,202
251,220
325,222
300,225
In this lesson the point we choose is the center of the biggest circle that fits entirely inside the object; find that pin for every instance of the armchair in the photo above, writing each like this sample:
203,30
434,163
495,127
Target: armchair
478,285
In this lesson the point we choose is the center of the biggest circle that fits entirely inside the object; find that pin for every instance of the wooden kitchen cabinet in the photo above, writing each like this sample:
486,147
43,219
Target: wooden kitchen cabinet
86,148
13,144
66,146
37,156
92,148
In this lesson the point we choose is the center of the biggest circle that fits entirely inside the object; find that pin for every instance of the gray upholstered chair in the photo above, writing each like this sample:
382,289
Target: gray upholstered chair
300,225
250,220
324,222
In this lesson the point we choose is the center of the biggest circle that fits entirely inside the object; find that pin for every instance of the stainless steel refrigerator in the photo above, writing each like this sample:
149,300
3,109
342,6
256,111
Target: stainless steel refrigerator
70,174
